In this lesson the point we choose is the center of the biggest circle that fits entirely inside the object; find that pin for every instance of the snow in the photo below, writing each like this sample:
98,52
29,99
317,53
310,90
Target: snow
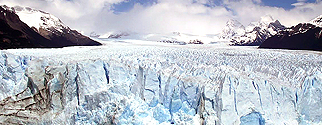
267,19
7,8
142,82
233,28
253,34
317,21
39,19
157,37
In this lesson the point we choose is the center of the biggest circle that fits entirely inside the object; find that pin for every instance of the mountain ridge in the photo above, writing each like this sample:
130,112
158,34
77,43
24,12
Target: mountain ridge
317,21
16,34
252,35
303,36
39,36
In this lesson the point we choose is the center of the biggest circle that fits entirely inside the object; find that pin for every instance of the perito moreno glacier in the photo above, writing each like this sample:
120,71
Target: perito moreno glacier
160,84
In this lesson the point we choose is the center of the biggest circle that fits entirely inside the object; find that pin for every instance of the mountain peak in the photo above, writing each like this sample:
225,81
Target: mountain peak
25,27
5,7
233,28
39,19
267,19
233,23
317,21
254,34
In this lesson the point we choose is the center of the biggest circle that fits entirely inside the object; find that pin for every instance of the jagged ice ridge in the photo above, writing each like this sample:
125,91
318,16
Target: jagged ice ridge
133,84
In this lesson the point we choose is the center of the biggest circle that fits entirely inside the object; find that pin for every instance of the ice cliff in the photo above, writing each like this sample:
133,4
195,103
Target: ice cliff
160,85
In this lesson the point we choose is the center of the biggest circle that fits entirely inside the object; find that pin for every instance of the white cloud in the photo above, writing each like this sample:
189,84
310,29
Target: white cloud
299,3
188,16
170,16
246,11
71,8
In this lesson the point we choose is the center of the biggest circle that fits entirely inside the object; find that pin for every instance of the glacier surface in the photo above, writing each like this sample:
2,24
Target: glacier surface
160,84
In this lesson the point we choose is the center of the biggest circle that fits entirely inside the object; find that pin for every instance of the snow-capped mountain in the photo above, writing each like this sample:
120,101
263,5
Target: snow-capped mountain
48,26
118,35
94,35
254,34
304,36
232,29
40,20
51,27
317,21
179,38
172,37
16,34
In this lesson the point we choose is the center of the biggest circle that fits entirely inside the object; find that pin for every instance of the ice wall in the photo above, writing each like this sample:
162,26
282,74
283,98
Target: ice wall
188,87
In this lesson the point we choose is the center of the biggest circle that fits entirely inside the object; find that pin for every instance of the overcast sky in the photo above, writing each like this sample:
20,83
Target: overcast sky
164,16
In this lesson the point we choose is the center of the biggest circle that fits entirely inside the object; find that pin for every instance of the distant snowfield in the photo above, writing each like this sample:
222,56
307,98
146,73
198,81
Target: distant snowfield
127,45
144,82
121,45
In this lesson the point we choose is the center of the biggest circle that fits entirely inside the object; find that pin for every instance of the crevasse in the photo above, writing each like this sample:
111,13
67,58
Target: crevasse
162,86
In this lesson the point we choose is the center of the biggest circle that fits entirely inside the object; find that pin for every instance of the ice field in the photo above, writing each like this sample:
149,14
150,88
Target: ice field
138,82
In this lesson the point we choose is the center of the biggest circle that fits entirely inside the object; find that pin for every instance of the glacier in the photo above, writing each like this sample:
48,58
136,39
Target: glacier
122,83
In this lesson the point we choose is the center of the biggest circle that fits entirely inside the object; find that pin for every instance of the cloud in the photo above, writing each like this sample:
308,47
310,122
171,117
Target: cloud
67,8
247,11
164,16
299,3
168,17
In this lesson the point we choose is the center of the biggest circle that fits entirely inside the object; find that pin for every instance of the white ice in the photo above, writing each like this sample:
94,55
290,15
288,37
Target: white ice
141,82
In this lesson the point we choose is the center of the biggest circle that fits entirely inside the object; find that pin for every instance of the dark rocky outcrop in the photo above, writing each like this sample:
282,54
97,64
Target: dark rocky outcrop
67,38
300,37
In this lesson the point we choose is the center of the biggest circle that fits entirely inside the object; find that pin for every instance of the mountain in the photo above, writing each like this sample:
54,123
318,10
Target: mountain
254,34
304,36
52,27
16,34
170,37
317,21
118,35
94,35
26,27
232,29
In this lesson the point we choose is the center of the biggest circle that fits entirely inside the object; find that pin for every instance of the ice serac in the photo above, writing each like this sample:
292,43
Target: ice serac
144,85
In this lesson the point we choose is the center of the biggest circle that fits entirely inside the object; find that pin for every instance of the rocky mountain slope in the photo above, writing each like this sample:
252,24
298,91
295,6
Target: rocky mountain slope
252,35
16,34
317,21
42,30
304,36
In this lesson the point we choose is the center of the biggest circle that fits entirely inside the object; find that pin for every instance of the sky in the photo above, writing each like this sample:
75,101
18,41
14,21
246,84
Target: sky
286,4
165,16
